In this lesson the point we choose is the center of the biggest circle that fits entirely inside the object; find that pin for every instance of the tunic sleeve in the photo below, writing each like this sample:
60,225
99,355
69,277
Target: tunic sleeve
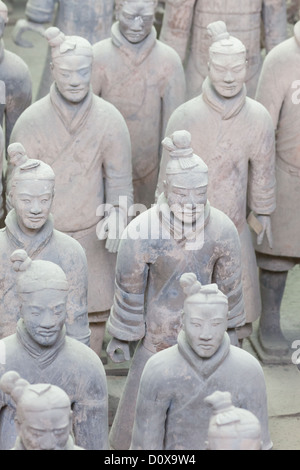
275,20
227,275
126,321
261,177
40,11
177,25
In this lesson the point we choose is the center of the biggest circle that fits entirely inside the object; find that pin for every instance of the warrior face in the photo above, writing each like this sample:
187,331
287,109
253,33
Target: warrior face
32,201
227,72
204,325
136,20
47,429
72,75
44,313
186,198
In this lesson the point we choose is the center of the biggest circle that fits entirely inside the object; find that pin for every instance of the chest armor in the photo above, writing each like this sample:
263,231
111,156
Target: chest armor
91,19
243,20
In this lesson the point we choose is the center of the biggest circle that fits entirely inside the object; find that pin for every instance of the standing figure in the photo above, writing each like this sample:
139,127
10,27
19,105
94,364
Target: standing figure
235,137
172,411
86,141
144,79
231,427
278,91
180,233
29,225
43,414
16,90
91,19
42,353
184,28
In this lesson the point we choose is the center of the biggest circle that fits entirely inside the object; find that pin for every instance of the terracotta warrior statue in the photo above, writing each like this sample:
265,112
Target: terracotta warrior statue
29,225
231,427
43,414
235,137
86,141
184,28
278,91
144,79
43,354
16,89
171,411
91,19
181,232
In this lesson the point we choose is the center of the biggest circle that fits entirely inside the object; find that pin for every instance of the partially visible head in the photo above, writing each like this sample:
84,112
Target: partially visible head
3,17
42,288
72,58
136,18
205,313
231,428
186,181
31,189
227,66
43,413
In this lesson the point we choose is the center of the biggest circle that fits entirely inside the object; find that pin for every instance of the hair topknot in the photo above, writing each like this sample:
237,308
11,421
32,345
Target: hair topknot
17,154
190,284
218,31
54,36
12,384
21,261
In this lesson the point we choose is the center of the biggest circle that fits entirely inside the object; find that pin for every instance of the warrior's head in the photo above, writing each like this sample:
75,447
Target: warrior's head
136,18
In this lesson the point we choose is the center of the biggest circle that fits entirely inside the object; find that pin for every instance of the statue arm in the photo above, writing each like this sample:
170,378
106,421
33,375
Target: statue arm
177,25
275,20
40,11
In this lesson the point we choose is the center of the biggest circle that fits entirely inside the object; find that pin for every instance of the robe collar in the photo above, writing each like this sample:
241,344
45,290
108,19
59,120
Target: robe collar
203,367
228,108
72,116
43,356
190,236
32,245
137,53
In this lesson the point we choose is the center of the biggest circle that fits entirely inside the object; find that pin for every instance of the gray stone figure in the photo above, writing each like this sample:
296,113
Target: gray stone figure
230,427
42,353
144,79
16,89
91,19
181,232
171,411
43,414
87,143
278,91
29,225
235,137
184,28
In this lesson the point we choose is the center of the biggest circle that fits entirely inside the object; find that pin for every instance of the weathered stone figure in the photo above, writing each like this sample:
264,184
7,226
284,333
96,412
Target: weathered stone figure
144,79
43,414
184,28
91,19
42,353
16,89
29,225
86,141
278,91
182,232
230,427
171,411
235,136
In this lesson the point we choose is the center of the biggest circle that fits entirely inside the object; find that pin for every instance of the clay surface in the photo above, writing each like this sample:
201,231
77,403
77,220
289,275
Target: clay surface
90,19
42,353
153,254
29,225
184,28
144,79
171,411
43,414
234,135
